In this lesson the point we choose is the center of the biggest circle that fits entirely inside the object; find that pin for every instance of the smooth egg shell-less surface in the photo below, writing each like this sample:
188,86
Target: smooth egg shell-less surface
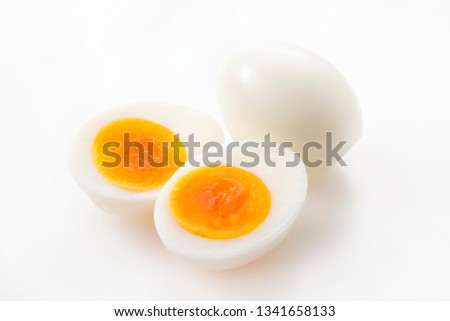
291,93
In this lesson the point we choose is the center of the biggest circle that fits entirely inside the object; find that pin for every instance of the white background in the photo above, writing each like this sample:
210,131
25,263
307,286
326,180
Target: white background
378,229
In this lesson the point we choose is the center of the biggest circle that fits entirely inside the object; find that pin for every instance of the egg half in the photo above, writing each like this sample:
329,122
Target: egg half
293,94
228,212
122,157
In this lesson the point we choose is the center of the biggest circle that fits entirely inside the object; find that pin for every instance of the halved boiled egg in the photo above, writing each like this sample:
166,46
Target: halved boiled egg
232,210
123,157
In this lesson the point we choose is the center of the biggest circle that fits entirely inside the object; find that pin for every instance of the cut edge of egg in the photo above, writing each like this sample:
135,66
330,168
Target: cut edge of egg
115,200
230,253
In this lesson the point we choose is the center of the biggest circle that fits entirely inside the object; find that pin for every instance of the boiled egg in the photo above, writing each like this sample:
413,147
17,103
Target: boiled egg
122,157
293,94
231,210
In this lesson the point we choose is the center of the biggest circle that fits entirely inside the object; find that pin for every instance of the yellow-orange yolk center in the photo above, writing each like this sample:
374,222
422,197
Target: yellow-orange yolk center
220,202
137,154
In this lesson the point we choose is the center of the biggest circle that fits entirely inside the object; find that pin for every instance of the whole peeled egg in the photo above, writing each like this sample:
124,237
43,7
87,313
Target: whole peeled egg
292,94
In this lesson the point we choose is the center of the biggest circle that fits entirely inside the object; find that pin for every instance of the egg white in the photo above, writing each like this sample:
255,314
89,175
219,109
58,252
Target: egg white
291,92
287,186
110,198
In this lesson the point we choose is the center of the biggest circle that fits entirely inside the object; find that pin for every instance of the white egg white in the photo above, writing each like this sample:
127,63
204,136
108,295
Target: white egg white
112,199
287,186
291,92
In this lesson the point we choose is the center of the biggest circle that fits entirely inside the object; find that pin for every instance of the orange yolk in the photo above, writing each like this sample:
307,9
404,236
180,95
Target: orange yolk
137,154
220,202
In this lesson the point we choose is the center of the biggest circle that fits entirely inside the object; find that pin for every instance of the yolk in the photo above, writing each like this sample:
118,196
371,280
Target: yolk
220,202
137,154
